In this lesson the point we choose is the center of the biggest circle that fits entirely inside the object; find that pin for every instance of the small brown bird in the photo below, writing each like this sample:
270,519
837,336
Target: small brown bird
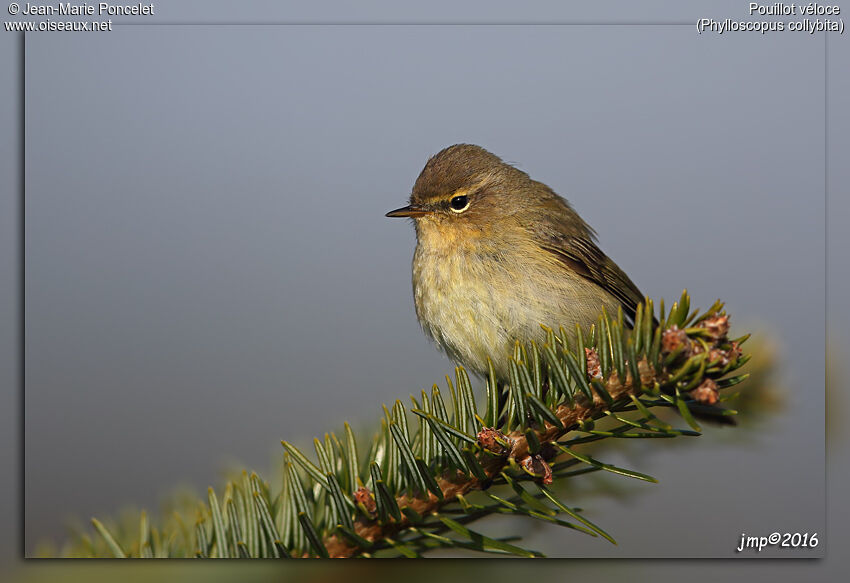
498,254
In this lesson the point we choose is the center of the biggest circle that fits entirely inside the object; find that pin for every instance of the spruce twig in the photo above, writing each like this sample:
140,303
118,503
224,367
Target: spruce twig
413,490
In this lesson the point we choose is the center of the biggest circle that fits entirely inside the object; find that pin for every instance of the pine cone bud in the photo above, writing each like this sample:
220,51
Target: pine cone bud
674,339
717,326
706,393
537,467
366,500
721,357
494,441
594,369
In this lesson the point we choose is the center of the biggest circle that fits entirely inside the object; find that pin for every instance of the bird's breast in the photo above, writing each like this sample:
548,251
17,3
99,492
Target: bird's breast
475,303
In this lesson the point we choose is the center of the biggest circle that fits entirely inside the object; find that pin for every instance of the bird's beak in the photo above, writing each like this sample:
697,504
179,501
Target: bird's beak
412,211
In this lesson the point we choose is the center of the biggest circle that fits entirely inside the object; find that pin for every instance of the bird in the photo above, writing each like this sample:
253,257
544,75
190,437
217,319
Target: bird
498,254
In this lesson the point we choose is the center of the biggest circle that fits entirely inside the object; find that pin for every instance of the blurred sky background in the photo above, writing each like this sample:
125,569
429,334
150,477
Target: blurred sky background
209,269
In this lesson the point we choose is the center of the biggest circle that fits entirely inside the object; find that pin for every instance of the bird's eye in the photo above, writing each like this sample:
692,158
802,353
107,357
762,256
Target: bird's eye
459,203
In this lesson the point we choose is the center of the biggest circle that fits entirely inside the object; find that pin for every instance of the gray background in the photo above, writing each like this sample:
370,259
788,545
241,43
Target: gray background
204,229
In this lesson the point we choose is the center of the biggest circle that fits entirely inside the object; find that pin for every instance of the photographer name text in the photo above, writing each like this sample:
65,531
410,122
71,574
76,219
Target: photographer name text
86,9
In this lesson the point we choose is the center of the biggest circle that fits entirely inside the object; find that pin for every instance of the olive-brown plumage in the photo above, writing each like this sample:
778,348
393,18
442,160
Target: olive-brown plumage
498,254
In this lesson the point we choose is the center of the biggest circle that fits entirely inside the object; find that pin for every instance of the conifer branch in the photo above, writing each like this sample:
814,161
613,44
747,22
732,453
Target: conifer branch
413,489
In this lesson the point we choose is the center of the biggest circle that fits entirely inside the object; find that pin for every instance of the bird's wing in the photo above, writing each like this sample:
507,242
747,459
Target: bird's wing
583,256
